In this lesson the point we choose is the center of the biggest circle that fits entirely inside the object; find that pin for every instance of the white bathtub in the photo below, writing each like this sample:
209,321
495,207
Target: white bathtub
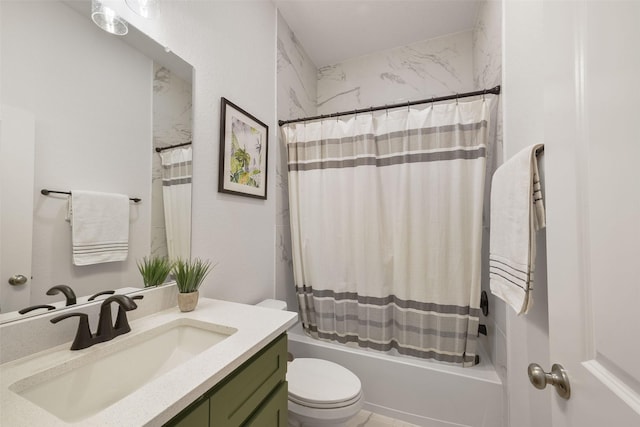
422,392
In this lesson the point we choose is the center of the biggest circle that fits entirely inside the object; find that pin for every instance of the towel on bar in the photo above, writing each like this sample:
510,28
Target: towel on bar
517,211
99,227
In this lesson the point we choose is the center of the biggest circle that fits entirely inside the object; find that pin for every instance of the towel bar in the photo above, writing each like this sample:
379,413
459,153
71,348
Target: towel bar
46,192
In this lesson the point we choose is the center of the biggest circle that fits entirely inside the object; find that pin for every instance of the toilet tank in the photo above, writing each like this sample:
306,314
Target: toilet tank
273,303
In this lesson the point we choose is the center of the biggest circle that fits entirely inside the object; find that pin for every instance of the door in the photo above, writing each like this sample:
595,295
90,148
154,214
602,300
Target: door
592,136
17,139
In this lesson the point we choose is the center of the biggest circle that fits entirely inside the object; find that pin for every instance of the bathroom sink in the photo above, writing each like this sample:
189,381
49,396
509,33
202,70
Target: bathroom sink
83,387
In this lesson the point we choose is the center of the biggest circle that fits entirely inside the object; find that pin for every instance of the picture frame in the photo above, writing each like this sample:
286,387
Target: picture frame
244,145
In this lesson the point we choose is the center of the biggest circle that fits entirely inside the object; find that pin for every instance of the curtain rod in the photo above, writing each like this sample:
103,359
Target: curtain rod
492,91
169,147
46,192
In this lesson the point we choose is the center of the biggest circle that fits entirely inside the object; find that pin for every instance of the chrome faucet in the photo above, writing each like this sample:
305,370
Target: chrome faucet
106,329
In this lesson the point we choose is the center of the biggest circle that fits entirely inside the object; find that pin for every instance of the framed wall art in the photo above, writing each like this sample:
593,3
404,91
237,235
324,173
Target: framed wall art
244,142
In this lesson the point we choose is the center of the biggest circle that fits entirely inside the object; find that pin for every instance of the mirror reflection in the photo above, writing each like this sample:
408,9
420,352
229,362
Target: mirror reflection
89,109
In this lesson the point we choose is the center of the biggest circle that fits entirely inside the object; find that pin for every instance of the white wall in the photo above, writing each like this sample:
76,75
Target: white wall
421,70
91,97
232,47
296,88
528,335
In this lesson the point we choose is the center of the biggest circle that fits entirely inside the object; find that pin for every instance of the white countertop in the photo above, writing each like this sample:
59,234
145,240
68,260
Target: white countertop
158,401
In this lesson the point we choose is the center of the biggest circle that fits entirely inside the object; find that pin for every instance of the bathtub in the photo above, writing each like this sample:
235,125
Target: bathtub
421,392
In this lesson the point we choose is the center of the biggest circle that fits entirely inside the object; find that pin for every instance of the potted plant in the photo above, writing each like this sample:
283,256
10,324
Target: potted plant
189,276
154,270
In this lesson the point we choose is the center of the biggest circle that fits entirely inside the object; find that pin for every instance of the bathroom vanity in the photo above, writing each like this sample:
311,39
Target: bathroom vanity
253,395
223,364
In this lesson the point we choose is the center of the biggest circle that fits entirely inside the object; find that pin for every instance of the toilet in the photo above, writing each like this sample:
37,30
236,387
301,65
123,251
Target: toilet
321,393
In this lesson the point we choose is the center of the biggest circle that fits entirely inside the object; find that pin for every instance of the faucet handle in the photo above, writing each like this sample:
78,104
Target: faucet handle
122,323
36,307
94,296
83,337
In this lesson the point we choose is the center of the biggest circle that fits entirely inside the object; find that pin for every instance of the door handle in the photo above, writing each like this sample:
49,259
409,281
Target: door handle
557,377
17,279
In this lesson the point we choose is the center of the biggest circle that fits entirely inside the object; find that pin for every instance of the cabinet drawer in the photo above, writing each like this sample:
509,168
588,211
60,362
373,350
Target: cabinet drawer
273,412
234,402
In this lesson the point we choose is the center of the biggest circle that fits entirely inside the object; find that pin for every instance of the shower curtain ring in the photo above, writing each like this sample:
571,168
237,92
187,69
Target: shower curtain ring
456,98
483,93
408,106
386,109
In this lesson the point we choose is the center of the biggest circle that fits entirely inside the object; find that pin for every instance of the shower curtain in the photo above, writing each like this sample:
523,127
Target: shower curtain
176,194
386,223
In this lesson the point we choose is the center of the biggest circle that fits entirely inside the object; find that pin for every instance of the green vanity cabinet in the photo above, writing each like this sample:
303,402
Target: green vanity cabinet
197,414
255,394
273,412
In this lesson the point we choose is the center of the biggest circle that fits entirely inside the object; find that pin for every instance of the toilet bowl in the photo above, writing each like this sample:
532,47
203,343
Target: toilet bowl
321,393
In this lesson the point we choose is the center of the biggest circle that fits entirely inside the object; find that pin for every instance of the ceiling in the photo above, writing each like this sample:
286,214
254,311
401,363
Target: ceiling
334,30
144,44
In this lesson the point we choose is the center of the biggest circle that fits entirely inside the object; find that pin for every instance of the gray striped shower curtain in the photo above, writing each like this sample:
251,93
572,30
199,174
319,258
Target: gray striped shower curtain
386,223
176,195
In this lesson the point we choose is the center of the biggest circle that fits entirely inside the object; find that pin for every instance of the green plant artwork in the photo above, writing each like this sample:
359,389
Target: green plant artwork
244,147
246,154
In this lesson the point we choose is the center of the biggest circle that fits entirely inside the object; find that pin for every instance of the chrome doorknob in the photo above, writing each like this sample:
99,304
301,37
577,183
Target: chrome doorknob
557,377
17,279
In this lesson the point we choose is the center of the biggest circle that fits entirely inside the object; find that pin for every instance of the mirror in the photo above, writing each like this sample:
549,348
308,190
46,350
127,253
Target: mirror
100,105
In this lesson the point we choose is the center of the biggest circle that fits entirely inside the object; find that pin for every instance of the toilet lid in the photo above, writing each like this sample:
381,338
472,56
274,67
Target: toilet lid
319,381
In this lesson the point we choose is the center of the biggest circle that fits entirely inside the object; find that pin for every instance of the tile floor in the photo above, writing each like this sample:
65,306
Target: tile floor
369,419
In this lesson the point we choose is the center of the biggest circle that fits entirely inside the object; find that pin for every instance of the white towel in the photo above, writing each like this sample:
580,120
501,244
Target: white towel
99,227
517,211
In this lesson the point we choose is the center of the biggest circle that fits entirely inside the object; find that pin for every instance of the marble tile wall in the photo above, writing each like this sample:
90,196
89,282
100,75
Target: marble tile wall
487,72
172,124
421,70
296,98
487,45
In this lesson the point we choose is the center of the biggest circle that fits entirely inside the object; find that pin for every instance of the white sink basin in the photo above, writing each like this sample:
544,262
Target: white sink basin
91,383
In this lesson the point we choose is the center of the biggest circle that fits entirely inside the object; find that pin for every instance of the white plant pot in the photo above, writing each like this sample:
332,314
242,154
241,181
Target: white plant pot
187,301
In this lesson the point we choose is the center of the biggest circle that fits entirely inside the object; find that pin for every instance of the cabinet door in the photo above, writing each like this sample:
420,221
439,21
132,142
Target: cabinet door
234,402
273,413
197,417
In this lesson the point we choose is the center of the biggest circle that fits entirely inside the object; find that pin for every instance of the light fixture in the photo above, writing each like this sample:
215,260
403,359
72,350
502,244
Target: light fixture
107,19
144,8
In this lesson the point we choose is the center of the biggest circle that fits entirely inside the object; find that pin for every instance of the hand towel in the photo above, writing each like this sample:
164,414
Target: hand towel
517,212
99,227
